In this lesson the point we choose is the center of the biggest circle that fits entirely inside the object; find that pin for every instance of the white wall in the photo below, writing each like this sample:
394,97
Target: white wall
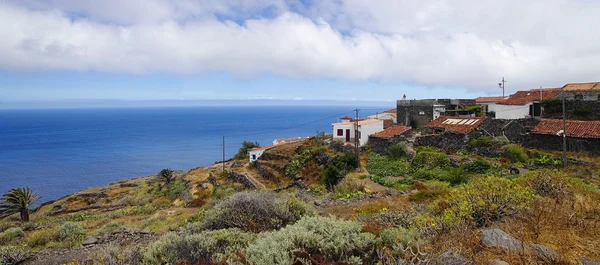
512,111
368,129
253,155
383,116
343,127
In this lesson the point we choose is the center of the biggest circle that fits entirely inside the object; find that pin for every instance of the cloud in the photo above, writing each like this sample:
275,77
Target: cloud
462,43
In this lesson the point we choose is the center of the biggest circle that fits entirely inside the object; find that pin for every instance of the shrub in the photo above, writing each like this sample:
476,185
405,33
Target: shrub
324,239
457,176
479,166
166,174
484,141
115,255
41,237
348,189
207,247
243,151
397,151
515,153
482,201
337,168
69,230
382,166
431,174
549,184
108,229
429,160
11,234
255,211
11,255
402,183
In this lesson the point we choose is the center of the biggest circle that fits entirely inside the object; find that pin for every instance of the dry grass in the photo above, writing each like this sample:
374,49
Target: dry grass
349,211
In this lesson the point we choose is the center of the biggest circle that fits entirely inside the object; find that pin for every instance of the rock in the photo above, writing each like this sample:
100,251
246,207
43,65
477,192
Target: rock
90,240
204,185
497,262
547,254
451,258
500,239
146,230
586,261
318,203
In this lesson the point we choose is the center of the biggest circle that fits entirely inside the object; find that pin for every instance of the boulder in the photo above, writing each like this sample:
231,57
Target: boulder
146,230
586,261
90,240
500,239
451,258
547,254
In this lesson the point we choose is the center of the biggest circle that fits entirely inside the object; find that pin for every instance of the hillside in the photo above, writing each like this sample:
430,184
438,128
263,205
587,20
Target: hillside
309,202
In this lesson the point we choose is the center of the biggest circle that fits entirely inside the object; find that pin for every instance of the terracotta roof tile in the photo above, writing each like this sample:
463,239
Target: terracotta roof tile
391,132
582,87
576,129
346,118
360,122
528,96
489,99
456,124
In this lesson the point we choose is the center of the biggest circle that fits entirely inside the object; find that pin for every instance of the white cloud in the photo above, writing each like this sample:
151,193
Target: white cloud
432,43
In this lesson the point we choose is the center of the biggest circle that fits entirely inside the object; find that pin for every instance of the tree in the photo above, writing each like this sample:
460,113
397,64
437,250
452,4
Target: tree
243,151
18,200
167,175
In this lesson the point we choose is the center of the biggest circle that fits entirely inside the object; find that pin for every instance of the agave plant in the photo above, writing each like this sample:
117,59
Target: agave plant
18,200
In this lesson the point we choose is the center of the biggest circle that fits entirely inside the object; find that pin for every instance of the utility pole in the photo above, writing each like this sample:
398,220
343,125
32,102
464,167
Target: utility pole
541,98
356,140
564,112
501,85
223,153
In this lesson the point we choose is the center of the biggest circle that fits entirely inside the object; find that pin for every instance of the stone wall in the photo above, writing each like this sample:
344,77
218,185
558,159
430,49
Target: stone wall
586,96
577,110
241,178
451,141
380,145
516,131
554,142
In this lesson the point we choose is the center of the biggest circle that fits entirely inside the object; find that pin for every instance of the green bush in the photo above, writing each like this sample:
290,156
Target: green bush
243,151
429,160
330,240
40,238
69,230
515,153
479,166
402,183
114,254
108,229
382,166
484,141
11,234
208,247
397,151
431,174
337,168
255,211
483,201
457,176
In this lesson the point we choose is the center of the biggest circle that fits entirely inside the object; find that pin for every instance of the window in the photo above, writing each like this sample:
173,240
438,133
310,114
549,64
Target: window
358,134
580,97
340,132
421,112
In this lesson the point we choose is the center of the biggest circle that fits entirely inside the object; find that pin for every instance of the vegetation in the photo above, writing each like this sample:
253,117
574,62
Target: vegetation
398,151
18,200
552,105
515,153
348,189
166,175
383,166
337,169
243,151
429,160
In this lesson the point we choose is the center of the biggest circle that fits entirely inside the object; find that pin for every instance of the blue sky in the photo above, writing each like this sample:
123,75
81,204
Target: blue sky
291,49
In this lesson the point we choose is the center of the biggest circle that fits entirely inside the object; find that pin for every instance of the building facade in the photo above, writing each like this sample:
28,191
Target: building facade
344,131
417,113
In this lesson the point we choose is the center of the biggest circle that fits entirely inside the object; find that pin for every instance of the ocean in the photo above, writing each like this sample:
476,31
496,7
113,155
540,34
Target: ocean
61,151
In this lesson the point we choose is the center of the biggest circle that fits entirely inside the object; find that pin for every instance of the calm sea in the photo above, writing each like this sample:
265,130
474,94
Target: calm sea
60,151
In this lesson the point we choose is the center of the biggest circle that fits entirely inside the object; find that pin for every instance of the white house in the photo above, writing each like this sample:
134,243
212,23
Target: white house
489,103
391,114
255,153
344,131
524,104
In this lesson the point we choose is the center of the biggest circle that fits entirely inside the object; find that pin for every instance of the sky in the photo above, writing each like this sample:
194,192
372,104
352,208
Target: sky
376,50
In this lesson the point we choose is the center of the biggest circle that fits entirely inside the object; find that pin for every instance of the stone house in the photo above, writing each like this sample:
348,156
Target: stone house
392,135
582,91
417,113
524,104
450,132
581,135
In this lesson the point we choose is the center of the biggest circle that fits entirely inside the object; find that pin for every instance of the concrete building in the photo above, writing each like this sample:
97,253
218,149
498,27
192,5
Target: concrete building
344,131
524,104
489,103
417,113
389,117
582,91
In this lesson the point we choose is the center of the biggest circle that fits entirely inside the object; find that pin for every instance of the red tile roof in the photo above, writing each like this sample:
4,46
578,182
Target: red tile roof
456,124
391,132
489,99
360,122
576,129
346,118
528,96
582,87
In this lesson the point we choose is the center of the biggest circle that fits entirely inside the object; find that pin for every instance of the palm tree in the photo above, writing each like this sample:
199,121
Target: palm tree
18,200
167,175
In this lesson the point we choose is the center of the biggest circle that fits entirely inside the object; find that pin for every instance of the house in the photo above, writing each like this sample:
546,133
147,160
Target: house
449,132
489,103
581,135
416,113
394,134
582,91
344,131
524,104
389,117
255,153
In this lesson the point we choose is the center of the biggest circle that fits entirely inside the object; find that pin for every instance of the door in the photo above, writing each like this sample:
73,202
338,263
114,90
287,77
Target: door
347,135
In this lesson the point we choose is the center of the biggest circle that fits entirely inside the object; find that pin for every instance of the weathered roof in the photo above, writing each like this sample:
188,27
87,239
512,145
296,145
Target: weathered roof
391,132
360,122
456,124
582,87
490,99
528,96
391,111
346,118
576,129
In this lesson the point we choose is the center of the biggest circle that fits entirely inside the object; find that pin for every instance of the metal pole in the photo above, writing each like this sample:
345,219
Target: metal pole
223,153
564,129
